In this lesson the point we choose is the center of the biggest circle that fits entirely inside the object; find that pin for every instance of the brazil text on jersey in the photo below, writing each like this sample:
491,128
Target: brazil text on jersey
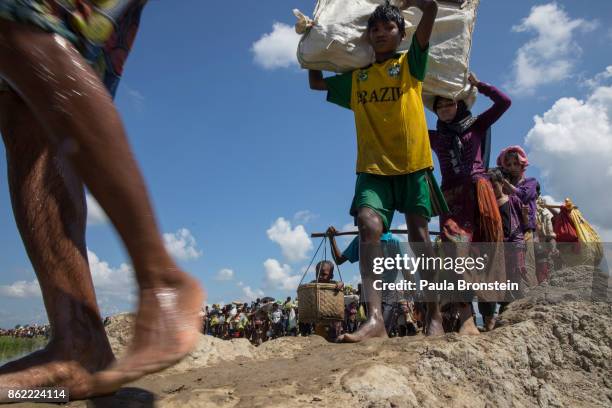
385,94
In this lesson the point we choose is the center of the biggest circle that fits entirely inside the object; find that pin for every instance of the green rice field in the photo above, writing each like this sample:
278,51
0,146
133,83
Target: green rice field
12,348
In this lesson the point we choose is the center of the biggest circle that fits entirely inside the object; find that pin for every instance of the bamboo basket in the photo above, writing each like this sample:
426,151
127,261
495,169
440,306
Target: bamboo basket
320,302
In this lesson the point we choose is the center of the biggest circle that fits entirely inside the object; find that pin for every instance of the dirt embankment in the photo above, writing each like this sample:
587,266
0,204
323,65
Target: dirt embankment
555,352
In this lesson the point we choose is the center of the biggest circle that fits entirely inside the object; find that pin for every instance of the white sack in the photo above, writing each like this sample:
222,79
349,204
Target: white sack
336,42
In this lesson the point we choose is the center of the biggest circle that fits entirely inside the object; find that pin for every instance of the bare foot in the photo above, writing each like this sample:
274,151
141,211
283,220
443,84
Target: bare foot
489,323
167,328
373,327
469,327
68,363
433,326
466,320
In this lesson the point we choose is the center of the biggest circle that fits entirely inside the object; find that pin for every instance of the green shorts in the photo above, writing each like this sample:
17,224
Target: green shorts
414,193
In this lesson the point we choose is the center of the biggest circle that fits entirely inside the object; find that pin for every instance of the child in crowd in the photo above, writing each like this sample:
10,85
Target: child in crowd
511,211
394,162
514,162
546,245
351,318
276,317
325,274
405,323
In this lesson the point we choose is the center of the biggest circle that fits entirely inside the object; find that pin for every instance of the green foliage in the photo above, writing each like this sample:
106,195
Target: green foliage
11,347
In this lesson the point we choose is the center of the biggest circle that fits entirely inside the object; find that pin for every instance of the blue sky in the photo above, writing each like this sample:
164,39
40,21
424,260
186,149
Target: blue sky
229,147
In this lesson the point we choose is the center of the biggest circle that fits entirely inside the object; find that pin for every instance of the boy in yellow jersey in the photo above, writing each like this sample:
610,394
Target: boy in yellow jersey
394,160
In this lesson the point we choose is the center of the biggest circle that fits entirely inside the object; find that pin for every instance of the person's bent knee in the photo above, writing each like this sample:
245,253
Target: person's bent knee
370,225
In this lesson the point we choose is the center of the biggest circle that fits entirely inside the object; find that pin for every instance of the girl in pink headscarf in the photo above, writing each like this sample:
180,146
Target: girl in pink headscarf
513,161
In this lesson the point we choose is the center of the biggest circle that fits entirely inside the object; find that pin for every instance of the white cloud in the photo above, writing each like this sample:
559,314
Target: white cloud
346,239
21,289
600,79
276,49
304,216
252,294
349,227
294,242
225,275
95,213
137,99
249,293
111,282
279,276
550,200
354,281
182,245
115,287
550,56
572,145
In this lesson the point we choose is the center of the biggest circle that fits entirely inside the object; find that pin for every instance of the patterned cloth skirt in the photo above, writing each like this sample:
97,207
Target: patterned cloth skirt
102,30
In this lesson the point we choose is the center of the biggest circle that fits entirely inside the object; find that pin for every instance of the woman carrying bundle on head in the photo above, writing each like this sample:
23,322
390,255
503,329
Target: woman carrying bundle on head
459,142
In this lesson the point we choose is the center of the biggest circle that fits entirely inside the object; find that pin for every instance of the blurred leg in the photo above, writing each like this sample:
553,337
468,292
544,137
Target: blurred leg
79,117
49,208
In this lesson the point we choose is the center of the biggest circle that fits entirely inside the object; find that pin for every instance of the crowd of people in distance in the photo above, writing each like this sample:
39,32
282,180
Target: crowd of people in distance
265,319
27,331
258,321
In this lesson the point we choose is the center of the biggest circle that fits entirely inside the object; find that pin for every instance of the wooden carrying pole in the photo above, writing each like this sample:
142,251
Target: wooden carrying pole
557,206
393,231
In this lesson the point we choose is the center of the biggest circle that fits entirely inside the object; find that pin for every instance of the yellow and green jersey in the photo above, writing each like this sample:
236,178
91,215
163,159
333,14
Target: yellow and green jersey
392,136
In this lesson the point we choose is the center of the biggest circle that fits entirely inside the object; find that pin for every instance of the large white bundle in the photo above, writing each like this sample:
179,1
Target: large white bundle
337,42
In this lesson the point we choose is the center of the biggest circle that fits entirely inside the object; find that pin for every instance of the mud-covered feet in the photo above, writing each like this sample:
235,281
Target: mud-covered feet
433,325
167,328
468,326
69,362
489,322
373,327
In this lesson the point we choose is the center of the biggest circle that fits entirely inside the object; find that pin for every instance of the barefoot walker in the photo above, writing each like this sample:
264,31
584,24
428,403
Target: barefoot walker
61,61
459,141
394,161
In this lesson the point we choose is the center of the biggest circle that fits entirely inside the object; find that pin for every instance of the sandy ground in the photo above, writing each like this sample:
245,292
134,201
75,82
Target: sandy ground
555,352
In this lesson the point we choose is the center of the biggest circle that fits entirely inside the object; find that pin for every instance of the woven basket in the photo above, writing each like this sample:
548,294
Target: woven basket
320,302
